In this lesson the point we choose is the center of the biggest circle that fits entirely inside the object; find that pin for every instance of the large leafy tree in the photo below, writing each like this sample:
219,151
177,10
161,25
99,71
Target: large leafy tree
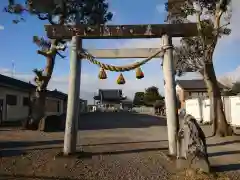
92,12
138,99
151,95
196,53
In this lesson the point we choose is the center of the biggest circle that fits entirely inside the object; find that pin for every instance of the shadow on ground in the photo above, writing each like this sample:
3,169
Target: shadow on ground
122,143
113,120
12,152
11,124
102,120
19,144
12,148
224,143
223,153
16,148
226,167
28,177
85,154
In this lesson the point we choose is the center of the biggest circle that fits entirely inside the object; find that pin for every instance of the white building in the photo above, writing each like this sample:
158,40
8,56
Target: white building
14,100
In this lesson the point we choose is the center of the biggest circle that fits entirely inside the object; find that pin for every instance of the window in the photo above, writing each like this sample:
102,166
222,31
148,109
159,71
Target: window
25,101
11,100
190,94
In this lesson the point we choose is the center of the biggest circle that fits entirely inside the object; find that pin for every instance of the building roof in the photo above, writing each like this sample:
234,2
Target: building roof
18,84
15,83
57,94
109,94
197,84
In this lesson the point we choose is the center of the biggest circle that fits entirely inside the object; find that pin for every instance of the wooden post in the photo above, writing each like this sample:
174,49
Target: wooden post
170,96
71,128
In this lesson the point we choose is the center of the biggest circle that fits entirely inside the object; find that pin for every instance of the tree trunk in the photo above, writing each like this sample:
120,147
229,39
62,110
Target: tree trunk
38,110
38,105
220,125
213,117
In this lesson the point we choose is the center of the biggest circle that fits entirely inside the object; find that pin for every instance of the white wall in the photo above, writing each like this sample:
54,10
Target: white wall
12,113
235,110
193,107
19,112
206,110
200,109
145,110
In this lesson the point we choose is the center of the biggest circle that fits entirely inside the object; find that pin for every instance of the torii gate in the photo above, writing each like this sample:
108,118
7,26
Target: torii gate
79,32
166,31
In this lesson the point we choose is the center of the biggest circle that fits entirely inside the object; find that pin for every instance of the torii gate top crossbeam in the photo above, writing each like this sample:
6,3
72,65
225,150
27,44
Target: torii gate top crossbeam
121,31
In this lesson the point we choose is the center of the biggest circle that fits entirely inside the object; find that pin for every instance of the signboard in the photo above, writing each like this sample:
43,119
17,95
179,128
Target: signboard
121,31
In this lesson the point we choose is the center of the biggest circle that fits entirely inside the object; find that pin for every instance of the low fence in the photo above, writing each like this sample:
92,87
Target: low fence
200,109
144,110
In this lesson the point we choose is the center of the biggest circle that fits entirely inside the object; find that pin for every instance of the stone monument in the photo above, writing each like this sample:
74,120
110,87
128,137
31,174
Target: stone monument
192,147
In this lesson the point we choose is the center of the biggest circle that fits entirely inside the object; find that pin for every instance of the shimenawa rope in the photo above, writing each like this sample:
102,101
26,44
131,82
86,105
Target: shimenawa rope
129,67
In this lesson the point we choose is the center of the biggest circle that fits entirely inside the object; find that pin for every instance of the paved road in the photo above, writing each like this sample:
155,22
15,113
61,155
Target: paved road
121,128
100,128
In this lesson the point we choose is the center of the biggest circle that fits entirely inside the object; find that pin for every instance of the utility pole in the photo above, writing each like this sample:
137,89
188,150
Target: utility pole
71,128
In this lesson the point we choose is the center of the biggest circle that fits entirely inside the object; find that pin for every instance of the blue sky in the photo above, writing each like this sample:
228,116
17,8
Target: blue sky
17,46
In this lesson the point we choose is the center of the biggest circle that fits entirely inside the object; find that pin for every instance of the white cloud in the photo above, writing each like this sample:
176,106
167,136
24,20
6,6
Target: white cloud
230,77
1,27
161,8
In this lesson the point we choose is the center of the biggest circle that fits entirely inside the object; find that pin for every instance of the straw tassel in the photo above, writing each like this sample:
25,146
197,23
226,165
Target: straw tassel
121,79
139,73
102,74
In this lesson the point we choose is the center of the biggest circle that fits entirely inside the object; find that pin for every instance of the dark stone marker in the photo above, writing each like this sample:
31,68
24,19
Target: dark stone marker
192,150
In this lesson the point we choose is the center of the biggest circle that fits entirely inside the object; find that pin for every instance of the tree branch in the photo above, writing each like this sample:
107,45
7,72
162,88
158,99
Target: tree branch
223,25
45,53
220,7
41,17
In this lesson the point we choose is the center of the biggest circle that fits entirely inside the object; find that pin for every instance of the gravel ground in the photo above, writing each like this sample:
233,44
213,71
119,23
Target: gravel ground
42,164
119,145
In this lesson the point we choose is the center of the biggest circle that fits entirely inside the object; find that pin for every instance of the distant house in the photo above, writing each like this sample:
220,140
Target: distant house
56,103
188,89
111,98
14,99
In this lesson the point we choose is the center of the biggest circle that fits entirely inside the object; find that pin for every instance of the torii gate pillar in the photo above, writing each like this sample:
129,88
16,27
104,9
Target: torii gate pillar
71,128
170,94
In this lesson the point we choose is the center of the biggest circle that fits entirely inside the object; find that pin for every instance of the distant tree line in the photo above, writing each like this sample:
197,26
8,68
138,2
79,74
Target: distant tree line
150,97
